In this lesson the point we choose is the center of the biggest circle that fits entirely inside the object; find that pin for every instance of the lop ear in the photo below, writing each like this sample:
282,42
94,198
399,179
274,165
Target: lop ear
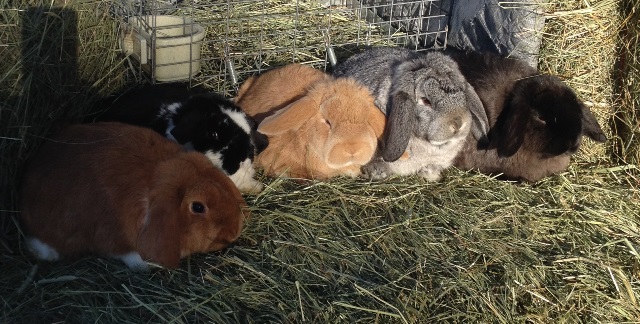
191,117
289,118
244,88
260,141
183,132
480,127
159,239
400,126
590,126
511,130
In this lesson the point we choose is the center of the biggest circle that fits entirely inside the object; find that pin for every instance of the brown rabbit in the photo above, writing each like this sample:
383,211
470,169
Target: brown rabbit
126,192
262,94
537,121
332,129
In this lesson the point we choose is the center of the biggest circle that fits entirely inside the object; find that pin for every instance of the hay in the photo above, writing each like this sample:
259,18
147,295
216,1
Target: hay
626,121
594,47
467,249
398,251
57,61
579,45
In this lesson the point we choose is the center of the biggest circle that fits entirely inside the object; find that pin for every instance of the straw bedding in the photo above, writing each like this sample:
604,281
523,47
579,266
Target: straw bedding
467,249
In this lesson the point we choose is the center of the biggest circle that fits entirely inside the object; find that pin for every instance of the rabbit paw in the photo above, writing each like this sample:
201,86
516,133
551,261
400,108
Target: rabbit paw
431,173
134,262
250,186
244,178
376,170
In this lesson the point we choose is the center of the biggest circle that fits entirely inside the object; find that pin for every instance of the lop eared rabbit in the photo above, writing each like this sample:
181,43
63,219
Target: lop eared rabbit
318,127
429,105
199,120
126,192
262,95
536,120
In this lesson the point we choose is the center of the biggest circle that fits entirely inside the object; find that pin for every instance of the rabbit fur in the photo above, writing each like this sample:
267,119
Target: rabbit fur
199,120
430,109
325,128
537,121
261,95
126,192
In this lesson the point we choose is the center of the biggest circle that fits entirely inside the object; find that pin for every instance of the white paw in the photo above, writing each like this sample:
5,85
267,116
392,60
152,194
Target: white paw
243,178
250,186
133,261
42,250
431,173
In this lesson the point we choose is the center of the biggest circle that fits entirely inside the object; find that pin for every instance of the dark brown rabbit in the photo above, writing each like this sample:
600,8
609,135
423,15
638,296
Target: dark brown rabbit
537,122
126,192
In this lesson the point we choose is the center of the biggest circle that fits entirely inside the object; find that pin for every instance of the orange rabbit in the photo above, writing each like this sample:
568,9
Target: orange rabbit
126,192
318,126
332,130
261,95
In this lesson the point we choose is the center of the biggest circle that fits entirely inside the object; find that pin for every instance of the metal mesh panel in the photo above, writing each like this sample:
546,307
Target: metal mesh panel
244,37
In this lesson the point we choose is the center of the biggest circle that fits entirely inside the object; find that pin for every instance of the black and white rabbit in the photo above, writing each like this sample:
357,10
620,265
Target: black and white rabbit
429,105
199,120
536,120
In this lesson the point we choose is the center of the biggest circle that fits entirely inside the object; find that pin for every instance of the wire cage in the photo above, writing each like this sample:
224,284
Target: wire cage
221,43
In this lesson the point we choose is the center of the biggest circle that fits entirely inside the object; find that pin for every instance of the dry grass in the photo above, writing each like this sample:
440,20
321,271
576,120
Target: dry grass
579,44
594,47
467,249
56,63
626,120
470,249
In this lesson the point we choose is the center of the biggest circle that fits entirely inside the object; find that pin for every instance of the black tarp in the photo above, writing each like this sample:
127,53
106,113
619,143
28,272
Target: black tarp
511,28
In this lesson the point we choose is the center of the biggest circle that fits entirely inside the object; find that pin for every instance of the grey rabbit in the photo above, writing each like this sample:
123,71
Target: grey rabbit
430,109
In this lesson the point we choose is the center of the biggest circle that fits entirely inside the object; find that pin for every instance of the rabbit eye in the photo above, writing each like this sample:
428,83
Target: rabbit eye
326,121
197,207
214,135
539,121
425,101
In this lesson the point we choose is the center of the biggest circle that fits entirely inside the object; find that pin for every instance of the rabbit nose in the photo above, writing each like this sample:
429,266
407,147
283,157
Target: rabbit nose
455,126
348,154
574,146
354,150
351,148
231,245
351,154
225,242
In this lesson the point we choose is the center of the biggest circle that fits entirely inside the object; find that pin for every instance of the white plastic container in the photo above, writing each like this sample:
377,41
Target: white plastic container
168,47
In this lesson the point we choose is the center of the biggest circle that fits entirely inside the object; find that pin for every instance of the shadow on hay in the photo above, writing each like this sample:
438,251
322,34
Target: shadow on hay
43,95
